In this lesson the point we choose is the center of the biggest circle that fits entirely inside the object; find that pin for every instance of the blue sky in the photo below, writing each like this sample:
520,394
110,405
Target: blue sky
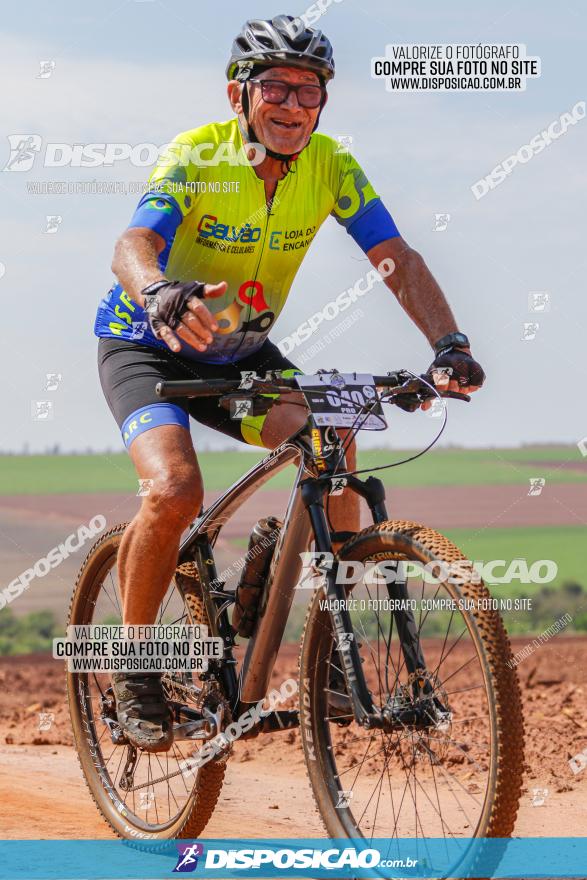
142,71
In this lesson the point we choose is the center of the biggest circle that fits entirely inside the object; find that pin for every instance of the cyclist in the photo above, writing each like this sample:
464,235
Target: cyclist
203,271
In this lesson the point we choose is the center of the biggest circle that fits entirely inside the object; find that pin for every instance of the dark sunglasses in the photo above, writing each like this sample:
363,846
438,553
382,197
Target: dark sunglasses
274,91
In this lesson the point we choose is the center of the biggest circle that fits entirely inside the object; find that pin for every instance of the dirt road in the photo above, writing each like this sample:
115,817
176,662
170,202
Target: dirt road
42,794
47,798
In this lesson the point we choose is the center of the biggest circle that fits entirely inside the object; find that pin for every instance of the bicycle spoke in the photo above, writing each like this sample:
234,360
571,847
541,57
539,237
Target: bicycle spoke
456,672
391,797
403,783
452,647
386,642
115,605
473,687
164,608
374,659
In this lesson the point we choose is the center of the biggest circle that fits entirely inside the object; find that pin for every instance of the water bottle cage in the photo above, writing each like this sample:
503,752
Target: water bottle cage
254,575
244,617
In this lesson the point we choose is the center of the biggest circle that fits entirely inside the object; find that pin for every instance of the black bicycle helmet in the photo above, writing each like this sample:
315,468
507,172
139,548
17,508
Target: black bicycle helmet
280,40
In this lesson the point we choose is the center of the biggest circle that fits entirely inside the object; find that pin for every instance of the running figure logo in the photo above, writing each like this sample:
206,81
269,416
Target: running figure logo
23,151
240,409
187,859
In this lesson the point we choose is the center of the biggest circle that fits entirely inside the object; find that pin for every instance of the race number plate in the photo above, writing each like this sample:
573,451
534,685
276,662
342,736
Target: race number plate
343,400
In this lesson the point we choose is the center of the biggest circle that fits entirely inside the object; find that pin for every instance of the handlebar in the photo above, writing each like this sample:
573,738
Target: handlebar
406,385
196,387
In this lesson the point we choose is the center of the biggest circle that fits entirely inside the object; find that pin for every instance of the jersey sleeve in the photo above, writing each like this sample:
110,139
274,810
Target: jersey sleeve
358,207
170,192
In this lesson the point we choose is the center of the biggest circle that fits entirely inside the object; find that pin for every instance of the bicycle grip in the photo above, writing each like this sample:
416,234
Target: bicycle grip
192,388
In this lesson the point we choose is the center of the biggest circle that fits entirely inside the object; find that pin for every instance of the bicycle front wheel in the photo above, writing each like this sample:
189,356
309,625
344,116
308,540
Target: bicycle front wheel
449,763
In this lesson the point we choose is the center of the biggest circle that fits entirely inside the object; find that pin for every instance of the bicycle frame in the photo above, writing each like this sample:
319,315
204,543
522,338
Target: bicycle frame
305,520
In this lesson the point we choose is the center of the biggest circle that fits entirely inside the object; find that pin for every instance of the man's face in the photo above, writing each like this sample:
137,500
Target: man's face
283,128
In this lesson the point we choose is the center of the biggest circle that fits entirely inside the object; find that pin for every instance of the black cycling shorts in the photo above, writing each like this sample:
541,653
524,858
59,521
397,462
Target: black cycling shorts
129,373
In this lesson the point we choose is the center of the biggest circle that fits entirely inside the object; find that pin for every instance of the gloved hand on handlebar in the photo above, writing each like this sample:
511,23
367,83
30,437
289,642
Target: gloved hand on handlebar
176,307
455,369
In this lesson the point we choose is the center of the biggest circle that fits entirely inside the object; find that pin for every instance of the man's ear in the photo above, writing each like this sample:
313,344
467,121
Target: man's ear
234,90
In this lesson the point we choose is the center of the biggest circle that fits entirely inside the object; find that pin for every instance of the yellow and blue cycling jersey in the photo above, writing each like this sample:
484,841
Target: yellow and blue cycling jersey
206,201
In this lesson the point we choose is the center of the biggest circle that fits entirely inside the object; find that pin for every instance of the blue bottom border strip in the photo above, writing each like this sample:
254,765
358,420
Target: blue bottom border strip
544,857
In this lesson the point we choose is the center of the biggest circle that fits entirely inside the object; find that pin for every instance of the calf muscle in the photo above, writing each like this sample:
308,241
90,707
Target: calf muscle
148,552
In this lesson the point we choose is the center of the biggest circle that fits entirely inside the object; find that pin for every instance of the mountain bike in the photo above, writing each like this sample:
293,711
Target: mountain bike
410,715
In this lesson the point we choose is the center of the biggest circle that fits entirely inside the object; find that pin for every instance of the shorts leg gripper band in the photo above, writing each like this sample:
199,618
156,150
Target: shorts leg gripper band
152,416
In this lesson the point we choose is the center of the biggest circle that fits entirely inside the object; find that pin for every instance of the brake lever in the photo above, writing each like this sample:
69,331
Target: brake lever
410,401
455,395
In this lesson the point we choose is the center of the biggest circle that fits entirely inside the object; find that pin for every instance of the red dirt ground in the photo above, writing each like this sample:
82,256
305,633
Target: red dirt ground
41,774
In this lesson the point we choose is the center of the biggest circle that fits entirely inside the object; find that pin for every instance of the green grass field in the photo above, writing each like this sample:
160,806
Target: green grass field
565,545
58,474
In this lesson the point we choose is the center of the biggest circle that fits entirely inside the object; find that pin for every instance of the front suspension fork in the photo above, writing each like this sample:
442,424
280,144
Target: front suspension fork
373,492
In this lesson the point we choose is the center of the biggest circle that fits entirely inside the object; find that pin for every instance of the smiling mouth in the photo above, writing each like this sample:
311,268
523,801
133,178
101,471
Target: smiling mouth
287,126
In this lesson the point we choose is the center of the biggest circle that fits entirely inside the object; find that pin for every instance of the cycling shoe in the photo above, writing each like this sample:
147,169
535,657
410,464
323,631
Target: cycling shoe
142,710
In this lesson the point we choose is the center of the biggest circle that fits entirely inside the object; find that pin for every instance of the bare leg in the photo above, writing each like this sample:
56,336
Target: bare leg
344,509
148,552
281,422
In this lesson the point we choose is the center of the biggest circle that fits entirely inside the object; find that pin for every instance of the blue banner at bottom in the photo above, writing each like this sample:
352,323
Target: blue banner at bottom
294,857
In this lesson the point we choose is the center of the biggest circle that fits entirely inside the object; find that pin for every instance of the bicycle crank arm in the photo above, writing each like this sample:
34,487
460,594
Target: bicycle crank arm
191,730
202,726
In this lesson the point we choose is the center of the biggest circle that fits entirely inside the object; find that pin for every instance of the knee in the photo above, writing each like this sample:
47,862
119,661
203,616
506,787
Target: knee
175,498
283,421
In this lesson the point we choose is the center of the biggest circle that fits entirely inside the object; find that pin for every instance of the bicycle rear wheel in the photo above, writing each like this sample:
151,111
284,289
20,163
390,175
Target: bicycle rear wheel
163,797
452,768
